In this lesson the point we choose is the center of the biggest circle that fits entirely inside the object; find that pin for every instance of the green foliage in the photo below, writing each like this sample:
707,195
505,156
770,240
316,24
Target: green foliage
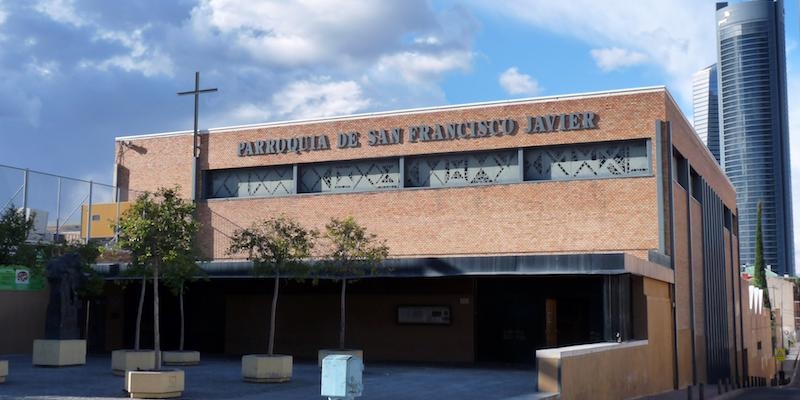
93,288
14,228
759,271
159,230
180,274
352,250
275,246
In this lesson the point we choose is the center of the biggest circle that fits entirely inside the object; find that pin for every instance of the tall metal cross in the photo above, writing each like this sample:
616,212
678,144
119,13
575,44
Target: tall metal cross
196,146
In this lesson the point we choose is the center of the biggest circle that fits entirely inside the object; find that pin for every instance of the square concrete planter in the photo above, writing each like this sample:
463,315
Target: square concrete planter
348,352
180,357
59,353
164,384
263,368
3,370
132,360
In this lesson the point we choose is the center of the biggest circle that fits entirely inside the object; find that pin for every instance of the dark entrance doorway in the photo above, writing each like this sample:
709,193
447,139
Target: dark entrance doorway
515,316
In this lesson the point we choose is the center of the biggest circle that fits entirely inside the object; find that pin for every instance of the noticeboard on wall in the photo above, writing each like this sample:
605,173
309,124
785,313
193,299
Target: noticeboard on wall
19,278
424,315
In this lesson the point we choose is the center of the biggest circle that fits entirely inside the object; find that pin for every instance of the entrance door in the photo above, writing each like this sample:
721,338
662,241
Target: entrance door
510,322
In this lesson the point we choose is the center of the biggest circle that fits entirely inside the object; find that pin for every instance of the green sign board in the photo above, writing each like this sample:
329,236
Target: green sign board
16,277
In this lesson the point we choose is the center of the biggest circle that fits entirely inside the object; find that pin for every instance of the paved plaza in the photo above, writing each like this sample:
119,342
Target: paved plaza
220,378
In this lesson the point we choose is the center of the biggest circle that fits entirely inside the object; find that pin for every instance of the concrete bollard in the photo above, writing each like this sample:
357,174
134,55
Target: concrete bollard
719,387
727,384
700,392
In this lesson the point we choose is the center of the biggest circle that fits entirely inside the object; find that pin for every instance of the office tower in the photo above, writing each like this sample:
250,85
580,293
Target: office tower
754,125
706,111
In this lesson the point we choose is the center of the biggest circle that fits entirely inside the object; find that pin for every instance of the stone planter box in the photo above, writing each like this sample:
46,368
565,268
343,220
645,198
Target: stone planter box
180,357
3,370
349,352
263,368
59,353
162,384
132,360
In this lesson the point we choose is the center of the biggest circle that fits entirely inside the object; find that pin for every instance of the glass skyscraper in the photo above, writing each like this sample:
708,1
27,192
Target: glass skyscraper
754,126
706,110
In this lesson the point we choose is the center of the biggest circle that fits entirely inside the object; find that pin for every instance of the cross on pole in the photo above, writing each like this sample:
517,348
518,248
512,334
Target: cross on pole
196,146
196,92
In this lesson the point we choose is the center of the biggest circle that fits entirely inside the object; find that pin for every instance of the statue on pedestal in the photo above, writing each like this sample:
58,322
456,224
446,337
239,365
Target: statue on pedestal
65,278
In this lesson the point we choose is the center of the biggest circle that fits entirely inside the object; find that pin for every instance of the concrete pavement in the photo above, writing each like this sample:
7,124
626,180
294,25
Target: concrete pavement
220,378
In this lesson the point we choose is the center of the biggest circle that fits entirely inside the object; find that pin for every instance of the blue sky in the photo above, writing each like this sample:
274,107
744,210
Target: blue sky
76,74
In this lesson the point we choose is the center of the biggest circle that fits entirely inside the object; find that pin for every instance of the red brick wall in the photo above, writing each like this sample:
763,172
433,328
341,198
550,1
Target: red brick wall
583,216
534,217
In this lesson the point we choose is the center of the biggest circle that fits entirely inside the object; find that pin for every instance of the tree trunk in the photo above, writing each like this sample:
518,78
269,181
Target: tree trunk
156,331
342,316
86,329
180,347
271,346
139,314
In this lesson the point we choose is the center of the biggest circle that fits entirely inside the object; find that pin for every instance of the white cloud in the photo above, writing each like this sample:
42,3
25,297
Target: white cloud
141,57
429,40
417,67
62,11
513,82
302,99
321,98
245,113
610,59
680,34
267,57
302,33
43,69
3,17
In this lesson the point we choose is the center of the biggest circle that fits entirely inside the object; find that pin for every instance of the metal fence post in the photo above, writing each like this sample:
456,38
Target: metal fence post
58,209
89,215
25,190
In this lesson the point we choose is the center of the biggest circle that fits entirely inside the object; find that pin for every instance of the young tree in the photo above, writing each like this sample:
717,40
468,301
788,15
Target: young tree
140,272
176,278
759,271
353,252
159,230
14,228
276,246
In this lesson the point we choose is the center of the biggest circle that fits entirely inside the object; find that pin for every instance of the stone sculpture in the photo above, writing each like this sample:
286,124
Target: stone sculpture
65,278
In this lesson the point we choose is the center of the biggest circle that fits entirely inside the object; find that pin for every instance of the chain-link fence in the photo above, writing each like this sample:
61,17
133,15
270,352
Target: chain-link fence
68,209
63,208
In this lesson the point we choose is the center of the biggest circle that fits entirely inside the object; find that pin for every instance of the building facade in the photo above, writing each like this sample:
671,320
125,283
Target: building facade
705,104
517,230
754,125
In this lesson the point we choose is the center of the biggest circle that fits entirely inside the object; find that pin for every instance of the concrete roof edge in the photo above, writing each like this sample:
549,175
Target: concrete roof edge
421,110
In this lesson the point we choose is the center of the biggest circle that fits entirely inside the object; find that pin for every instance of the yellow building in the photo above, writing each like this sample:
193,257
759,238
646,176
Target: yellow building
104,216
